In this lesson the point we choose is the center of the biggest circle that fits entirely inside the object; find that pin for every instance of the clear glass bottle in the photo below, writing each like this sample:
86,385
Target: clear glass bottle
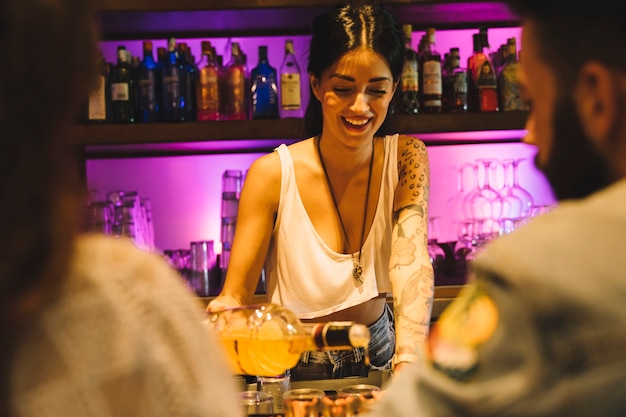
290,84
264,88
268,339
430,72
234,87
147,104
123,88
409,82
207,86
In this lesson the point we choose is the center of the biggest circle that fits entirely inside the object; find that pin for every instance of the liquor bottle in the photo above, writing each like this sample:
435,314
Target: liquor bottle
123,88
207,85
409,81
455,84
483,76
162,58
264,88
510,98
170,81
187,75
430,75
235,82
268,339
290,84
99,100
147,104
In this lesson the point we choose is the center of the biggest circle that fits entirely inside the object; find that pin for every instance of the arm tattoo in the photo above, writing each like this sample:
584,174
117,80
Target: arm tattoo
414,303
413,159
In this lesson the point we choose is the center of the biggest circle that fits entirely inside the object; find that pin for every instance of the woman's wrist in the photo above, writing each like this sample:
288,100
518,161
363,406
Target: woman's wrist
404,358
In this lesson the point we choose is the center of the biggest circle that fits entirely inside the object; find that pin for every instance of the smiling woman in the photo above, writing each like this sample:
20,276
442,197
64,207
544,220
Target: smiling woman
328,214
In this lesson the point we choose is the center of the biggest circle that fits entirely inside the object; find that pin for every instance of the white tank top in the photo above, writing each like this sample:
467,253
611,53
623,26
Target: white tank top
303,273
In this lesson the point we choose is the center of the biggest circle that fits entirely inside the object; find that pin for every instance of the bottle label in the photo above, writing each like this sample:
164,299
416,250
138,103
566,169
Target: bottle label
432,78
146,89
509,89
97,101
460,82
486,77
120,92
290,91
409,78
208,97
235,98
171,89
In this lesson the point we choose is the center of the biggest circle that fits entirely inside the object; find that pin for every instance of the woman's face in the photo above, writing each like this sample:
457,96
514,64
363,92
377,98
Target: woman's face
355,94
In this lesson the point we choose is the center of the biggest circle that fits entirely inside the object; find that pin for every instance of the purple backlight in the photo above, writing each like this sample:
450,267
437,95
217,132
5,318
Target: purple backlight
186,190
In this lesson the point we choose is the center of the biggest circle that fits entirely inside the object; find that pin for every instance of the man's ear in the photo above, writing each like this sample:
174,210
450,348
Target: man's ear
315,86
596,98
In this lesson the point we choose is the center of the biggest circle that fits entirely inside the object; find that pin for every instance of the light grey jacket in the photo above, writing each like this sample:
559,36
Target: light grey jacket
542,329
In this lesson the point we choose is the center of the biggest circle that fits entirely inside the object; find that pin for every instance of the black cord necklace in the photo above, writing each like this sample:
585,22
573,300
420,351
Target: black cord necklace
357,270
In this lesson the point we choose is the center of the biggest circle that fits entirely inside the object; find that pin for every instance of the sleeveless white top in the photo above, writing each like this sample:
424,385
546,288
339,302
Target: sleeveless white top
303,273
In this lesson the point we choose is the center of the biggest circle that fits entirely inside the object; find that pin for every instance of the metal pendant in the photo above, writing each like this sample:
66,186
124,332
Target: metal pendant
357,271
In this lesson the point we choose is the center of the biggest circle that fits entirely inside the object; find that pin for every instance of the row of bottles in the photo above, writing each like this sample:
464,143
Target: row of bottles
432,85
176,88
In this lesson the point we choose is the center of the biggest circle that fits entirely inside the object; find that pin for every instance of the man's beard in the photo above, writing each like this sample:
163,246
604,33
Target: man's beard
575,168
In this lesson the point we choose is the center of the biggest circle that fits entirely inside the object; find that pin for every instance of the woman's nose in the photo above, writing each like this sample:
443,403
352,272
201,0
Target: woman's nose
360,103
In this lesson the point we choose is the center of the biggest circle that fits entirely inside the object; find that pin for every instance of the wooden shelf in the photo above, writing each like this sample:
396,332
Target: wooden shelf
156,139
142,19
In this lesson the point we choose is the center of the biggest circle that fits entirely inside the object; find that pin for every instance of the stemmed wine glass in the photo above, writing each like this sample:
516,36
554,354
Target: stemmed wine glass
485,205
520,192
460,215
512,205
435,252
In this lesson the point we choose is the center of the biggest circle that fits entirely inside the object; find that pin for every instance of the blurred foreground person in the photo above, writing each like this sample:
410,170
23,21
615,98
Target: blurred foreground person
542,329
89,326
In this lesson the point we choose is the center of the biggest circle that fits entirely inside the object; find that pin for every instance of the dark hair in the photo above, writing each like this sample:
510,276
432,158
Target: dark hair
572,32
342,29
49,60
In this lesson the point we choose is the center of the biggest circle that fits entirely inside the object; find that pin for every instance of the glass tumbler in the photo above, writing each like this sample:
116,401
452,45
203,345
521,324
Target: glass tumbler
256,402
303,402
364,396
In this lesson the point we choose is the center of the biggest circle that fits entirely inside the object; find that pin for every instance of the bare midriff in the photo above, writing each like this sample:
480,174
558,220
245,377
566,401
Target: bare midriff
365,313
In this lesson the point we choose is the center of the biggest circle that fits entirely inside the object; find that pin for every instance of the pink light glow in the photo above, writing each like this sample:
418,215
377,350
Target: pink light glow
186,190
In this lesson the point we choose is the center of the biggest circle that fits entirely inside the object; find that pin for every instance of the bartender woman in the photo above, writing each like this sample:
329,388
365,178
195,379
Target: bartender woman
340,219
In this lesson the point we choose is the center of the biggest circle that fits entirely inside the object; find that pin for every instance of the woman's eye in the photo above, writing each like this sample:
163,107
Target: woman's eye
378,92
341,90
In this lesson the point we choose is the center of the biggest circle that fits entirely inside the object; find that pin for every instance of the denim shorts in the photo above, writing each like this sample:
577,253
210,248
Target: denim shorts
345,363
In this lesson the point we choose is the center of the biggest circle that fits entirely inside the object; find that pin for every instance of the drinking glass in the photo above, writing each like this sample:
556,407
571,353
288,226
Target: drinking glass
365,396
337,404
303,402
520,192
435,252
486,206
256,402
512,205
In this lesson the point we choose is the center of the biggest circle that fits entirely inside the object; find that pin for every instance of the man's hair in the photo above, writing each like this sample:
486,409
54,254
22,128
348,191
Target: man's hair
572,32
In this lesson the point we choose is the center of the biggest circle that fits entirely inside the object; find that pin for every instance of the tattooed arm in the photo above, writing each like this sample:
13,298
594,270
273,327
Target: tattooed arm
410,270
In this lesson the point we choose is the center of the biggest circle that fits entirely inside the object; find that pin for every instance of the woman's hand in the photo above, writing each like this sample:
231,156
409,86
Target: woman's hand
222,302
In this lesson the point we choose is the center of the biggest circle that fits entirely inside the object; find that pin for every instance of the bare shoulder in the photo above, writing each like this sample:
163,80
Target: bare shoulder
267,166
410,146
413,171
